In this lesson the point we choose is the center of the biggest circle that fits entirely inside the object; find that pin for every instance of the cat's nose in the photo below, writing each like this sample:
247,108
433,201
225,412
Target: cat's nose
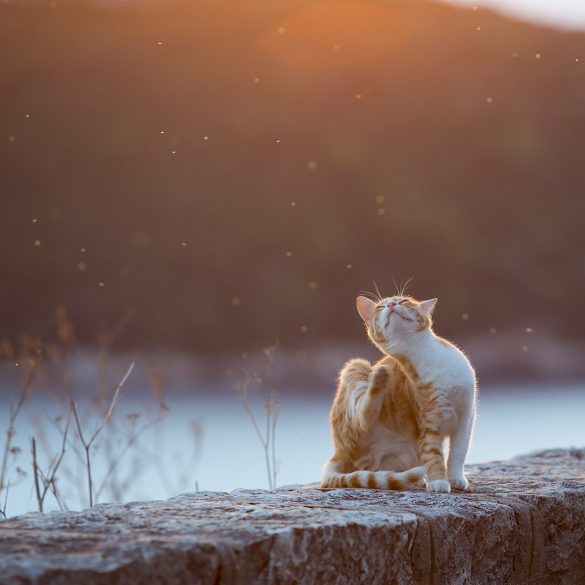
390,306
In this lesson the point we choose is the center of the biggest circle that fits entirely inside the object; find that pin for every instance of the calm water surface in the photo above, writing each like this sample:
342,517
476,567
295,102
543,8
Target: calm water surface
167,460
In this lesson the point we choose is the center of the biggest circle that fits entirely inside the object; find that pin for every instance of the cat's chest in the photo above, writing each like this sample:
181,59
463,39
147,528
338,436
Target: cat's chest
444,368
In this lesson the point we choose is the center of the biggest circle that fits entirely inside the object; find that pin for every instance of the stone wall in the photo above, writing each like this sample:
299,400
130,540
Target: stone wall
523,521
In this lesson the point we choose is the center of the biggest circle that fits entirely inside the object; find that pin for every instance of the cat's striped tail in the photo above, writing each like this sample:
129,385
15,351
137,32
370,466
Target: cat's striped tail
377,480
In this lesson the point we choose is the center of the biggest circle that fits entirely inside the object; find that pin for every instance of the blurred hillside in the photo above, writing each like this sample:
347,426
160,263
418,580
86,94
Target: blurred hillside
224,173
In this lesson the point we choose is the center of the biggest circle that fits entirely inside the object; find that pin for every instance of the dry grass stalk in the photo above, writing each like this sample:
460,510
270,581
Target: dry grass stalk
87,443
25,391
267,438
49,479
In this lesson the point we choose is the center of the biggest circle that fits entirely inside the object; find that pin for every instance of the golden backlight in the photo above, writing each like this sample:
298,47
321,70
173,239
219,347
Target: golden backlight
335,34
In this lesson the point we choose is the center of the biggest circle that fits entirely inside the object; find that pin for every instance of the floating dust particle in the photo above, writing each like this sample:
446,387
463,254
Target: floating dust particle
478,28
358,96
256,80
381,211
312,285
524,348
537,55
83,250
293,203
101,284
489,100
336,47
28,115
349,266
289,253
236,301
380,199
34,220
183,244
281,30
312,165
12,139
493,331
465,316
206,138
529,329
303,328
81,266
38,243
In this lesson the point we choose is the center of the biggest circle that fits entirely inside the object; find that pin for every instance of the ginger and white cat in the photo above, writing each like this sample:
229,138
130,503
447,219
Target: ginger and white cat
391,422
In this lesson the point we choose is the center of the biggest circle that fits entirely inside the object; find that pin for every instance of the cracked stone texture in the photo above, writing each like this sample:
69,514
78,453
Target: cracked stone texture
523,521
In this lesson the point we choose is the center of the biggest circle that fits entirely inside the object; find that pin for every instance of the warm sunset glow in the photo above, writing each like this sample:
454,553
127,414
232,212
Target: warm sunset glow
357,32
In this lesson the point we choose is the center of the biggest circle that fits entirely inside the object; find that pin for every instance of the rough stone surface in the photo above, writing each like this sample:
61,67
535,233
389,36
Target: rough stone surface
523,521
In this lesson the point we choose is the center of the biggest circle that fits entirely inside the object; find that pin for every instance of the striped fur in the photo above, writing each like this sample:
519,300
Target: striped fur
376,480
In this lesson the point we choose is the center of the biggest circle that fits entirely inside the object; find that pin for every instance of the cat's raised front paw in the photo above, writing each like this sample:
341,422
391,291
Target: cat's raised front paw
440,486
459,482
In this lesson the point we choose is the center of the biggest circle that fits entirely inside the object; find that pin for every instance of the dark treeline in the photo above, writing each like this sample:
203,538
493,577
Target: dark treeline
224,173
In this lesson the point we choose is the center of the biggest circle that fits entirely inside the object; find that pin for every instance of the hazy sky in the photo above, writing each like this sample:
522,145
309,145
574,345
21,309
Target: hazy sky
564,13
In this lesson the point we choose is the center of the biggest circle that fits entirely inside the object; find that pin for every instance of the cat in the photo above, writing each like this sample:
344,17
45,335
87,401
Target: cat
390,422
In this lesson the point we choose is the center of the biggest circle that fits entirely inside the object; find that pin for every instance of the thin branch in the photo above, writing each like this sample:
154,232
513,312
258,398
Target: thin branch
36,474
87,444
3,509
132,439
112,404
24,394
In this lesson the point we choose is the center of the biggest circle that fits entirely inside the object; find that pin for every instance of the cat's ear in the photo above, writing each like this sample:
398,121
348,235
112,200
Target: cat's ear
365,308
428,306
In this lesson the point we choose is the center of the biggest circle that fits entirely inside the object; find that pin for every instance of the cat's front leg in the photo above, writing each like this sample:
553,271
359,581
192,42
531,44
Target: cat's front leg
458,447
432,457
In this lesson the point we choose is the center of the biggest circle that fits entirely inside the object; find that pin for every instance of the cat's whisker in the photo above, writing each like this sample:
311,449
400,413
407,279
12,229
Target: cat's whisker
378,291
406,285
370,295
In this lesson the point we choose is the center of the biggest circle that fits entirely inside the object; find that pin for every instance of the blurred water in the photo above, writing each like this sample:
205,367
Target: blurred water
512,420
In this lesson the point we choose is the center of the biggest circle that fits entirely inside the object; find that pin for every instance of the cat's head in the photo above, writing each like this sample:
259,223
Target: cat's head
395,319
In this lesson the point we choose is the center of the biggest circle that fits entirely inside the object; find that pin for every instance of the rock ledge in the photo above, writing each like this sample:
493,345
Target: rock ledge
523,521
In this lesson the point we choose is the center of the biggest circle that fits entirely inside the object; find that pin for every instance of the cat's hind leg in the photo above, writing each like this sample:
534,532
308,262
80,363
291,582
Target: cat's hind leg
369,404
